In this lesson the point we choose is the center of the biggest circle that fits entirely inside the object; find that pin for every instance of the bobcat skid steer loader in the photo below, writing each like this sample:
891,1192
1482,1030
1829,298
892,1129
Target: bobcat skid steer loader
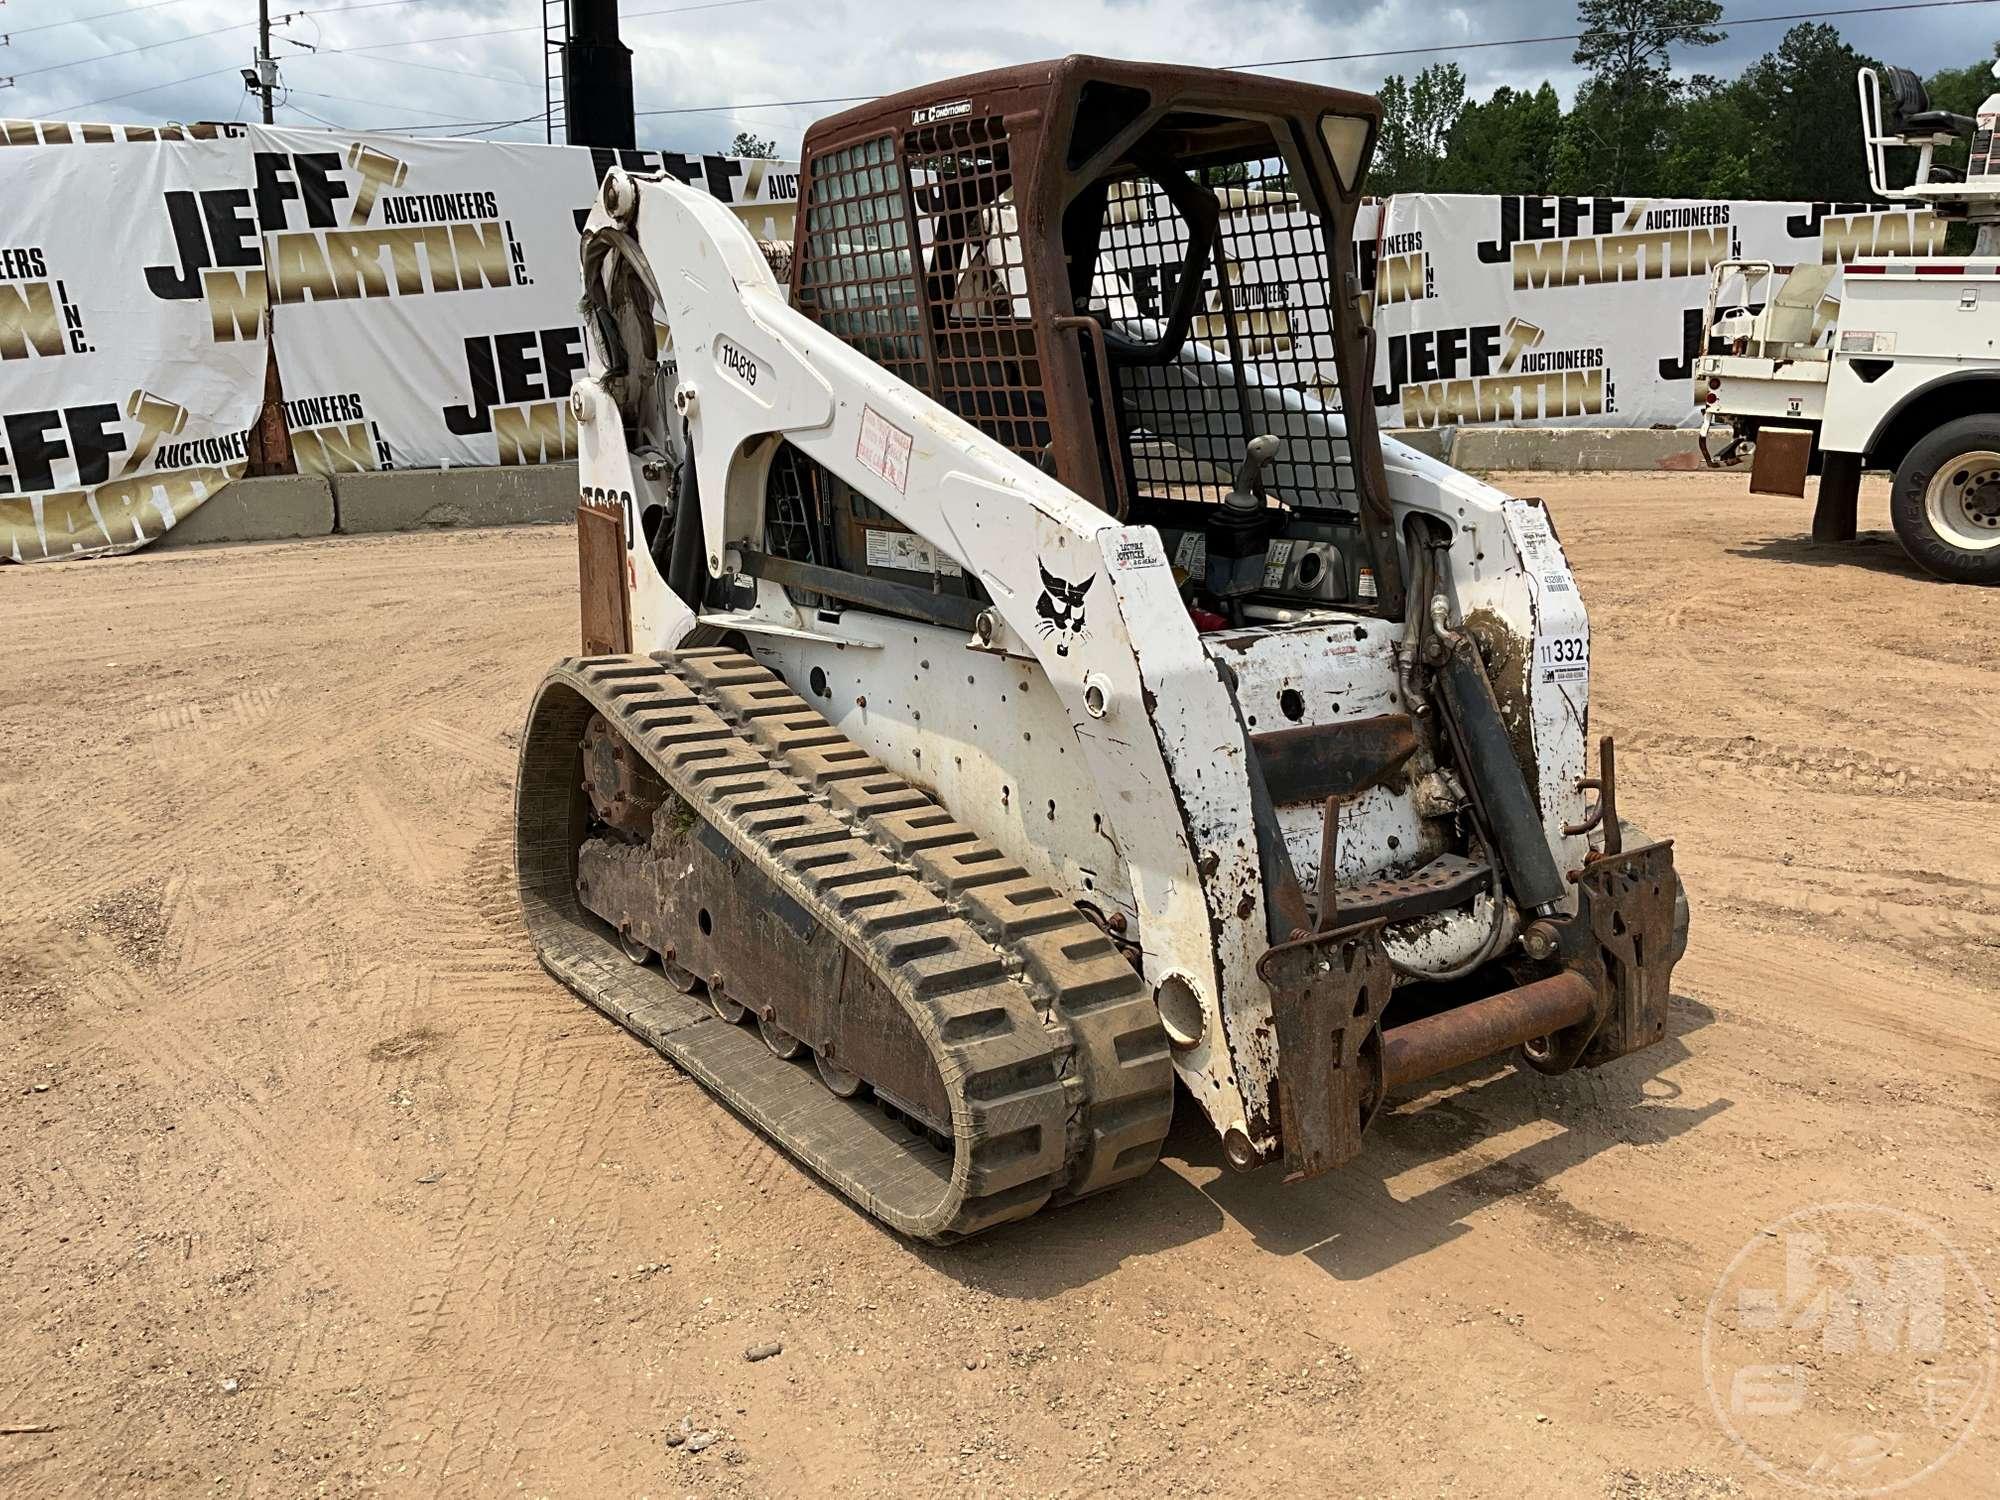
1017,674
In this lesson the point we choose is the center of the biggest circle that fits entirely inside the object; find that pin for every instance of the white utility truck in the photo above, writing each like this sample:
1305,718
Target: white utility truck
1889,364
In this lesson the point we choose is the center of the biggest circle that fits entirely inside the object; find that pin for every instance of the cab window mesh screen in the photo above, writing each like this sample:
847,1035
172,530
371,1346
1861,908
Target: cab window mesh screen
975,284
857,277
1259,355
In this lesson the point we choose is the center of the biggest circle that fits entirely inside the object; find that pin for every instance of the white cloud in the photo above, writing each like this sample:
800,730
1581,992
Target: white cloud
790,49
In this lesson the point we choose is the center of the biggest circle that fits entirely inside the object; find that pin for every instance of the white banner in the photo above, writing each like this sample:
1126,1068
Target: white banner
764,194
424,293
422,302
1551,312
423,297
1504,311
131,332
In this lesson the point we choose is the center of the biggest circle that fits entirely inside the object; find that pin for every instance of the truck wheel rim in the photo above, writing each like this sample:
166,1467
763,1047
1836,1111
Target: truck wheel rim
1962,501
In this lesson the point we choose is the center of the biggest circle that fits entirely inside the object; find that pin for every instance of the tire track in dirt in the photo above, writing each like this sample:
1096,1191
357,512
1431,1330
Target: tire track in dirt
395,837
370,710
214,816
479,752
523,1183
1786,1001
155,1041
532,1198
250,1125
1816,768
1888,911
246,1127
1809,1058
568,1114
525,1153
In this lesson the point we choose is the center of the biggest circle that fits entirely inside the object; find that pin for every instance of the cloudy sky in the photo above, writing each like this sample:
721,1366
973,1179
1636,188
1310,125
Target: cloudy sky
446,67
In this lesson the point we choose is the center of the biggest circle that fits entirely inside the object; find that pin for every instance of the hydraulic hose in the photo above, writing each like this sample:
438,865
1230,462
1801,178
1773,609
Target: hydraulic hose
1496,932
687,562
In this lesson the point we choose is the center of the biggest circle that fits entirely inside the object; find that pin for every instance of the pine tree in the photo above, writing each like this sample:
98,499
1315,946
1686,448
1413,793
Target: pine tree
1622,113
1801,107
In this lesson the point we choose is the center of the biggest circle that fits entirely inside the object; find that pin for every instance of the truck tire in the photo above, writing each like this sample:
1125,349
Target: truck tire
1945,502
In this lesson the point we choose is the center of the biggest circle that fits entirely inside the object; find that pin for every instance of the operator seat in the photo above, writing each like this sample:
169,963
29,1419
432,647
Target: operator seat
1907,106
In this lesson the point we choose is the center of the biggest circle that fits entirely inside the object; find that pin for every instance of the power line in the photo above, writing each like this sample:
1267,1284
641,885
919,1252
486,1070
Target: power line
450,125
78,62
151,88
478,127
133,10
501,125
710,109
1464,46
1284,62
437,114
403,62
463,36
751,109
174,41
334,10
102,15
1577,36
320,119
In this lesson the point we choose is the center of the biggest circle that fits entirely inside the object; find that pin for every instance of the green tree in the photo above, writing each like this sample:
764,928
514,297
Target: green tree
1713,150
1799,102
1619,127
747,144
1417,119
1506,145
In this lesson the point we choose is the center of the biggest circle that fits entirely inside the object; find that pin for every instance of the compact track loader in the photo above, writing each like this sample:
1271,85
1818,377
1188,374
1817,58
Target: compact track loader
1017,674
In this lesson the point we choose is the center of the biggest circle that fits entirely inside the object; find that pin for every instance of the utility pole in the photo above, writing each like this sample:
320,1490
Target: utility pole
262,79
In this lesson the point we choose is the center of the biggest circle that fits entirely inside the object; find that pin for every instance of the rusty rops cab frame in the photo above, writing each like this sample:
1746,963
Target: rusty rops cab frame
1020,185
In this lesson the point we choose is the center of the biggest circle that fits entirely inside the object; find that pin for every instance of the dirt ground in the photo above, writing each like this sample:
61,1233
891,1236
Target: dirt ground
315,1184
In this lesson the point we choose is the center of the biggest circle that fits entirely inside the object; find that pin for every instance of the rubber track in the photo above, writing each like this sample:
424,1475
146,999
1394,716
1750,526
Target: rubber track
1049,1047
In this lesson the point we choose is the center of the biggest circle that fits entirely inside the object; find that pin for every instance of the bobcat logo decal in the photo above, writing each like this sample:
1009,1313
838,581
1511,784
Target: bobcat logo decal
1061,609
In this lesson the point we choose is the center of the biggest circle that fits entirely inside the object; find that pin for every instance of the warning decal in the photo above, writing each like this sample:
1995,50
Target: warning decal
884,449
